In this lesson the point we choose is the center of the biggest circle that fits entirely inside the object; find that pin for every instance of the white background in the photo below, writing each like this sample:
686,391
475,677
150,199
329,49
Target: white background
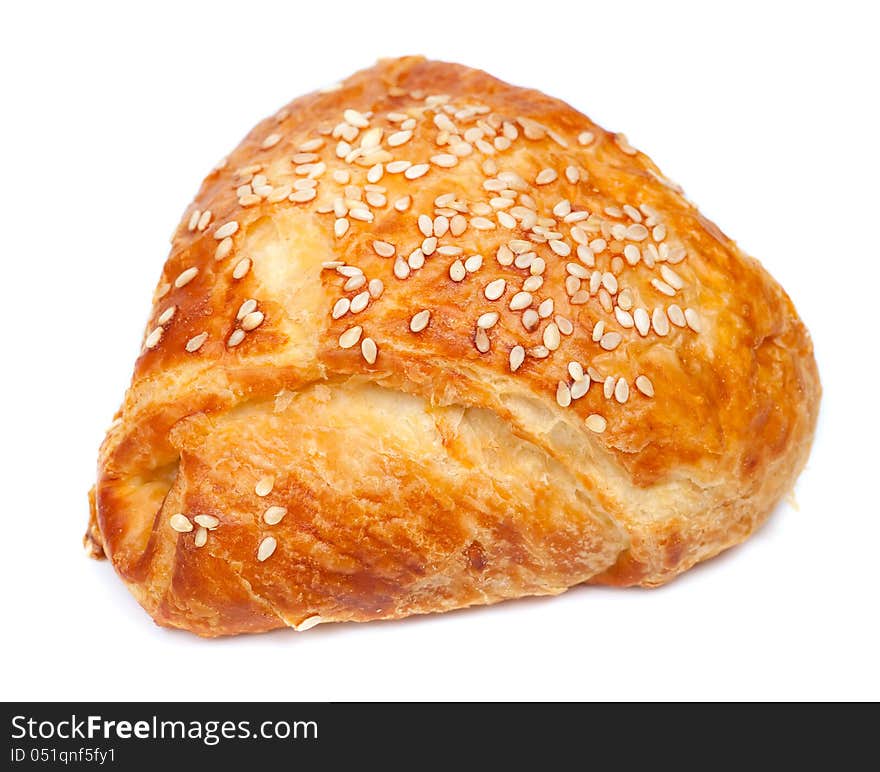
112,114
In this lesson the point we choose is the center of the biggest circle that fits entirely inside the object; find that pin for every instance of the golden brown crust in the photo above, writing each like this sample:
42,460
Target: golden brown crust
441,465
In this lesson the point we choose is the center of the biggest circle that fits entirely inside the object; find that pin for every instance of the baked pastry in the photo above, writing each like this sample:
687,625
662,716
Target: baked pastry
426,340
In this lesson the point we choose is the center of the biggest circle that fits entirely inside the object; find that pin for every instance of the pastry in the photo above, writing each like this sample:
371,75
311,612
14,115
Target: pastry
425,340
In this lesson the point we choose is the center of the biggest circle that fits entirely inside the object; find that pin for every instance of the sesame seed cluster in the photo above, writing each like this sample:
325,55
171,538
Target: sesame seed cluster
540,231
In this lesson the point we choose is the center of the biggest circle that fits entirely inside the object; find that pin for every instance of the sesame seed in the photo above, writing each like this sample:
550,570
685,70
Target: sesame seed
274,515
693,319
340,308
166,315
355,118
457,271
632,254
610,340
545,308
350,337
585,138
311,144
495,289
375,288
181,523
545,176
444,160
359,302
540,352
245,308
340,227
185,277
154,337
235,338
662,287
207,521
201,537
580,386
563,394
659,321
376,200
399,138
473,263
396,167
517,357
644,385
371,138
676,315
375,172
426,225
369,350
576,371
204,220
572,174
420,320
504,255
193,220
598,330
384,249
565,326
401,268
266,548
551,337
530,319
671,277
637,232
520,301
533,284
506,220
302,196
634,214
227,229
361,214
264,486
481,340
196,342
416,258
402,203
270,141
560,247
596,423
608,386
586,256
429,246
252,321
624,318
609,281
355,283
488,320
482,223
223,249
458,225
416,171
621,391
241,268
642,321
